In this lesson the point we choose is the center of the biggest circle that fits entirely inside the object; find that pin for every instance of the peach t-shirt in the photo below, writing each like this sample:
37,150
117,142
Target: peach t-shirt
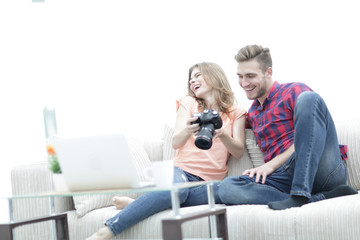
208,164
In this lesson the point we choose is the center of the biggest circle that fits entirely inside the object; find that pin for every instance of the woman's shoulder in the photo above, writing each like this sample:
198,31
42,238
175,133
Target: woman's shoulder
187,101
237,112
187,98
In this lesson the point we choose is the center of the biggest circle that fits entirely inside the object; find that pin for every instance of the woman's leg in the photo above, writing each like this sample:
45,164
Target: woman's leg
121,202
198,196
145,206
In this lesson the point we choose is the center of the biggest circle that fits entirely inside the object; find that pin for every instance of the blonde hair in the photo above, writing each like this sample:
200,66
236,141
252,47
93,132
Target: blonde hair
215,77
260,54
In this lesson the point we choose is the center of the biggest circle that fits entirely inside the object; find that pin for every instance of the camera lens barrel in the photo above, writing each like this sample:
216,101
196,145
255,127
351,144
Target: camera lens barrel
204,138
203,142
208,120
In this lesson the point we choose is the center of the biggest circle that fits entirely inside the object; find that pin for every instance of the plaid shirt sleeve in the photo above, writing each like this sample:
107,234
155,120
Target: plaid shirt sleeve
343,152
273,122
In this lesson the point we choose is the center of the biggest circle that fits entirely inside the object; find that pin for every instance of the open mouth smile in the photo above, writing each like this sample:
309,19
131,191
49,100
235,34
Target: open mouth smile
196,87
249,89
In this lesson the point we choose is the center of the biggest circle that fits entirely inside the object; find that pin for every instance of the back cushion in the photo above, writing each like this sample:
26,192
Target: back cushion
349,134
252,156
168,150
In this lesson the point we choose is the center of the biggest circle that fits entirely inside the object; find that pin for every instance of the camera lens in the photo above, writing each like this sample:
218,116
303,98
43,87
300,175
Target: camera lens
205,136
203,142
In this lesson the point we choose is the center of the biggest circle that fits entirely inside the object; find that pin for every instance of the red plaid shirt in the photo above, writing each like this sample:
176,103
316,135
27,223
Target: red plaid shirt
273,122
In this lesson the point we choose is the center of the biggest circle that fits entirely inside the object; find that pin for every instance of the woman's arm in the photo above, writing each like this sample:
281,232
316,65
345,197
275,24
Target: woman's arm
236,143
183,127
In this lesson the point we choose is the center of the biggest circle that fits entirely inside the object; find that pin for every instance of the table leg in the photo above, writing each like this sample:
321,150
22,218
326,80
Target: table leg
11,210
175,202
171,227
52,212
62,228
212,218
11,218
6,232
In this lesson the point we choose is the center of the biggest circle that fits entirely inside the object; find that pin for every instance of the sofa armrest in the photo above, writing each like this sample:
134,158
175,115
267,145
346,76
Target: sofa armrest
31,179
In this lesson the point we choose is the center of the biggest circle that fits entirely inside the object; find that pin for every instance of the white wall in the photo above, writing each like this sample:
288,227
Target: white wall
118,66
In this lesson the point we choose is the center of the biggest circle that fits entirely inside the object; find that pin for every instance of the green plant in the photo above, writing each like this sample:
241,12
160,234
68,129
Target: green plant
54,165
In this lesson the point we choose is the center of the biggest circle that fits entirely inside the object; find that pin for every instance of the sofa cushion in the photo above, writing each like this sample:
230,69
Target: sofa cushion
349,134
85,203
256,155
168,150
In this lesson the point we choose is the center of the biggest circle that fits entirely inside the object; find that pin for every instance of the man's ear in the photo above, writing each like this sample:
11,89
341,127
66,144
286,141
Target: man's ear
268,73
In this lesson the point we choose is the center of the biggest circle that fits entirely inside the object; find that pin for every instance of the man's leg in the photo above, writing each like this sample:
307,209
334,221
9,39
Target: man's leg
244,190
318,164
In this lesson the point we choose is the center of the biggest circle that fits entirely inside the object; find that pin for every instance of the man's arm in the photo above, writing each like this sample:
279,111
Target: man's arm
270,167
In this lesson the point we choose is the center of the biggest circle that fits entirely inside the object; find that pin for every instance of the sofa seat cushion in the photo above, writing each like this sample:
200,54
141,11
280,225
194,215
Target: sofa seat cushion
339,216
258,222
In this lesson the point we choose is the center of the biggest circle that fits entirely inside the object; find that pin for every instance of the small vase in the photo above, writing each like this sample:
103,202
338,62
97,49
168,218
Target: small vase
59,183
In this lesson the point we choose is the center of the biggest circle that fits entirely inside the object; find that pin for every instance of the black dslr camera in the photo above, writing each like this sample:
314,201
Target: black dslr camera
208,120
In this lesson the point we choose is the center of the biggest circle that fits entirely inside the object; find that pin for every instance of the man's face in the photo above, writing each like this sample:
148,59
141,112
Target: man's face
255,83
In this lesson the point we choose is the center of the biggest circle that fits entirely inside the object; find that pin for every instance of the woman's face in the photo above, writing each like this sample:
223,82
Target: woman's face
198,85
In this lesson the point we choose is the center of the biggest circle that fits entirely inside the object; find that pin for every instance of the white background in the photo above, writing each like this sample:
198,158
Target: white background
119,65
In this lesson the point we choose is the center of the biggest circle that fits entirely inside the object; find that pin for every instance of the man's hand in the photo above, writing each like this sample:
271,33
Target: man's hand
260,172
271,166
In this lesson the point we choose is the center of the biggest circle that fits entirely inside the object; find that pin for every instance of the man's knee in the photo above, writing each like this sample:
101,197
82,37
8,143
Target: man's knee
233,190
308,101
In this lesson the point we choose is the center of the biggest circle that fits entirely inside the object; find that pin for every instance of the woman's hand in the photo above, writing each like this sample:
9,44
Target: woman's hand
218,132
235,142
192,129
259,172
183,128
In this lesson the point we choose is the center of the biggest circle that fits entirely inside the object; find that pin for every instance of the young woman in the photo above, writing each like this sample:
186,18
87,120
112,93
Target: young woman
208,88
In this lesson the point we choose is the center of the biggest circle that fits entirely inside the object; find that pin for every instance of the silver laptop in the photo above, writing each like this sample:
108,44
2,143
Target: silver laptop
97,163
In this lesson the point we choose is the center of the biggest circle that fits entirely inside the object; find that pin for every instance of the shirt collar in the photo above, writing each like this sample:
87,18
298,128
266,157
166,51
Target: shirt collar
273,90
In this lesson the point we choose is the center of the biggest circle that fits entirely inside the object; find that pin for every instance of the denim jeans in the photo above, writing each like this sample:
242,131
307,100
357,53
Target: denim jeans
154,202
314,167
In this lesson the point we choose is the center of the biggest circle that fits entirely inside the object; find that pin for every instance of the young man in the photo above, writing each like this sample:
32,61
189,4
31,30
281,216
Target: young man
293,127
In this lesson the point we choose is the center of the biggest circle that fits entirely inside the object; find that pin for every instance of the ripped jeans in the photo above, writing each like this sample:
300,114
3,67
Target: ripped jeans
154,202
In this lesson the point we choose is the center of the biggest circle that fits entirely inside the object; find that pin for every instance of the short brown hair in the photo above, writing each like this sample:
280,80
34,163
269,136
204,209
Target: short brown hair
260,54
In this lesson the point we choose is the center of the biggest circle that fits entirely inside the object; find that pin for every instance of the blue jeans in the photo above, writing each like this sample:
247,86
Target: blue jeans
314,167
154,202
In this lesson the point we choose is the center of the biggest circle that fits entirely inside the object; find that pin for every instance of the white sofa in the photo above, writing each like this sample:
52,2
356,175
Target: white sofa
332,219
